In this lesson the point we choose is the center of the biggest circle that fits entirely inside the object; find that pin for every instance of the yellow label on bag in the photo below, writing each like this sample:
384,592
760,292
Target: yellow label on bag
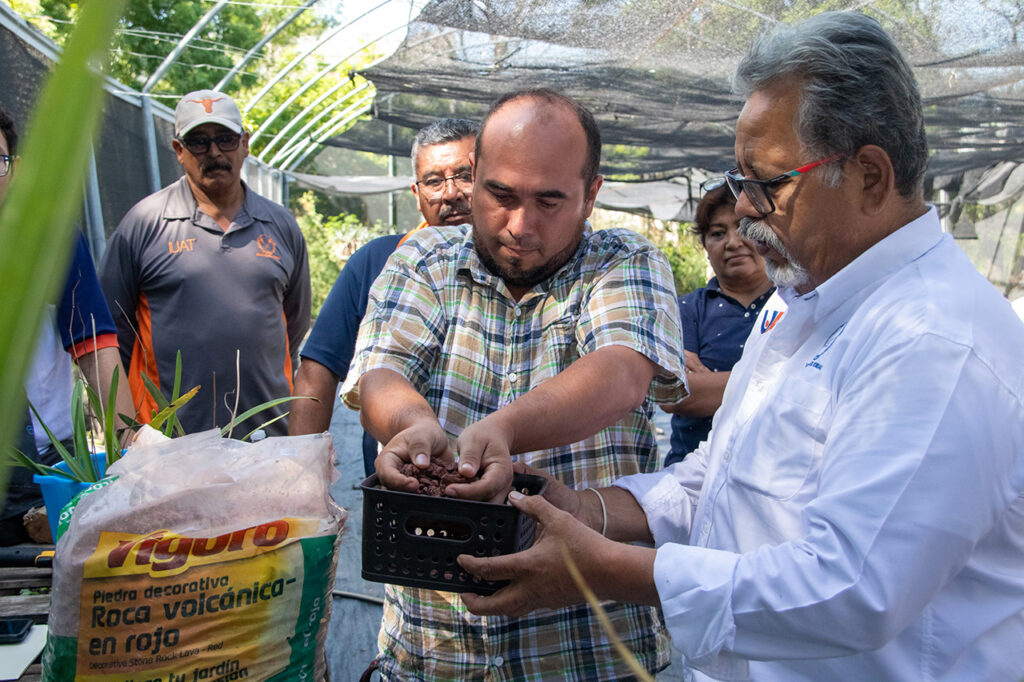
146,600
162,553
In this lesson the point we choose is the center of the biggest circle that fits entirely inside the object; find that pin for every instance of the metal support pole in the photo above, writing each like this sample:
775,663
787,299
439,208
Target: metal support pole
255,49
149,130
392,204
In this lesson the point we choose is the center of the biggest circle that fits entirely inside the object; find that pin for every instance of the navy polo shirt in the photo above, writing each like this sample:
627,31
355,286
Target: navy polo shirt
333,339
715,327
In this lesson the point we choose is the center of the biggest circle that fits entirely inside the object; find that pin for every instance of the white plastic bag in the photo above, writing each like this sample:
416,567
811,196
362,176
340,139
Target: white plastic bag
204,559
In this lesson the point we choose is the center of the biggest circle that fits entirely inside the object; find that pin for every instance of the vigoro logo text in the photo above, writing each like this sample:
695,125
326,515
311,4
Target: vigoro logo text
164,551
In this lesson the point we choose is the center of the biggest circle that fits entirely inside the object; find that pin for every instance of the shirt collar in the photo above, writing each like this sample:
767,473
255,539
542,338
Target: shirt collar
468,261
713,288
888,255
182,205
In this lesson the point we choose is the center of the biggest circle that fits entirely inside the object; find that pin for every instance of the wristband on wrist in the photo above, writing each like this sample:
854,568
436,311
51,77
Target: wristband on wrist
604,509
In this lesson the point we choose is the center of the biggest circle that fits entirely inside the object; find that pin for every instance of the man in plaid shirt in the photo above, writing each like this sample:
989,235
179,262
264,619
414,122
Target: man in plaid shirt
530,335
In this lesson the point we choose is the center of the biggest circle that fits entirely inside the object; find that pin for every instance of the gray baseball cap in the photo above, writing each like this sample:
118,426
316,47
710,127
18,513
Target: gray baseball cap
206,106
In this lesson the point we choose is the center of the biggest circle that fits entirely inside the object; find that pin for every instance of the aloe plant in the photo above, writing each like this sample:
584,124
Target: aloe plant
79,459
36,220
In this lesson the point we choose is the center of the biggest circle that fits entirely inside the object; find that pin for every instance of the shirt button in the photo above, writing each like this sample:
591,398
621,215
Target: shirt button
746,314
498,661
518,311
512,377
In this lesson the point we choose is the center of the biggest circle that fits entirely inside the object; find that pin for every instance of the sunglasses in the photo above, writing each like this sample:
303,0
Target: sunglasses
200,144
759,191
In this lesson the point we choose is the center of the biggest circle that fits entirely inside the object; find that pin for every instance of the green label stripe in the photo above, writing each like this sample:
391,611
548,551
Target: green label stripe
69,509
59,658
318,566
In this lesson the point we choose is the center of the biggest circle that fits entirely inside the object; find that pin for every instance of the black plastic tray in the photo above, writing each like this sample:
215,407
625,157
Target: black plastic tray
412,539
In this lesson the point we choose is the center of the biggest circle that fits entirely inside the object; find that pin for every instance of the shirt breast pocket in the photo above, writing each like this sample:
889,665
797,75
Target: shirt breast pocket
780,449
557,348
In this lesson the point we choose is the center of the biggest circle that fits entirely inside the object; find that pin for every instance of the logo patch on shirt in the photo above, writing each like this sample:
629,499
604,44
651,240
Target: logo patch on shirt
824,349
769,319
266,247
181,245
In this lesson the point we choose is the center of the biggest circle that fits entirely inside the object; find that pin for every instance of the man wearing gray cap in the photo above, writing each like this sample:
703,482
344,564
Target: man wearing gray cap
208,267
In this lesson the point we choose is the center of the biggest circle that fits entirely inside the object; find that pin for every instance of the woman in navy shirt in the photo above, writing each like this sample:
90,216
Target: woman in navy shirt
716,319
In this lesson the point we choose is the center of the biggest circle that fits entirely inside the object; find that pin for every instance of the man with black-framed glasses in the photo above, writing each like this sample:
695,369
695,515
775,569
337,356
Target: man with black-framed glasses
443,167
208,267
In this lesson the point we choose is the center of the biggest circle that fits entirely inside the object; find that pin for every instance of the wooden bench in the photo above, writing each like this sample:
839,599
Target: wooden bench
34,606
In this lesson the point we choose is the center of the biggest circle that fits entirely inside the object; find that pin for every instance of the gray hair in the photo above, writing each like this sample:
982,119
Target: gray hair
857,90
442,131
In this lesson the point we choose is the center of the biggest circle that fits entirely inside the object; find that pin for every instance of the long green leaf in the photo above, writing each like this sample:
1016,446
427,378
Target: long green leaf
264,425
112,444
19,458
168,412
106,413
69,459
173,422
36,220
154,392
78,431
177,376
256,410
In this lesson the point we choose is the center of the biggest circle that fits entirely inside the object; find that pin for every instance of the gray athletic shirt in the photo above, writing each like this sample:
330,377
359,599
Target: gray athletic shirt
174,280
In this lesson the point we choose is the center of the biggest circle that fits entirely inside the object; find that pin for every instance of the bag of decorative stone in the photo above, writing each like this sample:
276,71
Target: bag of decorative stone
204,559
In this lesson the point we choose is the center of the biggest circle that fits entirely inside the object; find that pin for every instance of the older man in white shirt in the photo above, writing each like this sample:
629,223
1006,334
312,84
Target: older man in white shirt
857,513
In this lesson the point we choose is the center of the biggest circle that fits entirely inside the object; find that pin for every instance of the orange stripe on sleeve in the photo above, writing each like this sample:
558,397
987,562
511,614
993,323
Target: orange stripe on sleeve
93,344
287,357
143,360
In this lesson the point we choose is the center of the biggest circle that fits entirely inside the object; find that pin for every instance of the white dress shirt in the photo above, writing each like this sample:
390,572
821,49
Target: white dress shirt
857,512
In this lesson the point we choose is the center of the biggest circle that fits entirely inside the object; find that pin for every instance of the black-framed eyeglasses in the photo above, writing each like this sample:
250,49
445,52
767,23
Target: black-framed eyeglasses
436,184
5,164
758,190
200,144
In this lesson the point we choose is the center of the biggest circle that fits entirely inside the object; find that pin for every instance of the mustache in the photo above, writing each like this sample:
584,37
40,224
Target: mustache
448,209
508,240
758,231
789,274
214,165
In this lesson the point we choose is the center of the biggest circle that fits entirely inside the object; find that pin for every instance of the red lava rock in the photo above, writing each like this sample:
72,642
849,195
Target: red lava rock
435,478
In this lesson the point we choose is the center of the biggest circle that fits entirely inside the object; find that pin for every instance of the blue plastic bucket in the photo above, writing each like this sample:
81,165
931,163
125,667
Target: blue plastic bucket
58,491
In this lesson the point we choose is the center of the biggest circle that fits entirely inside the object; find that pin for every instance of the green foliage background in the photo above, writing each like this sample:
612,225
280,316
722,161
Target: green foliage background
150,29
682,249
330,241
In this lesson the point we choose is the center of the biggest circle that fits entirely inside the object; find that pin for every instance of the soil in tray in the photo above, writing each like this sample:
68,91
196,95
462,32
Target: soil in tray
435,478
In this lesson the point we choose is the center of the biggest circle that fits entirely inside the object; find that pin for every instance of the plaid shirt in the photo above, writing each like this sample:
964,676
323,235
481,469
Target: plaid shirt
441,319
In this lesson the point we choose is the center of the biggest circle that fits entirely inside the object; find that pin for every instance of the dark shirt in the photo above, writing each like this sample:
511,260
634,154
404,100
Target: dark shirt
333,339
715,327
226,299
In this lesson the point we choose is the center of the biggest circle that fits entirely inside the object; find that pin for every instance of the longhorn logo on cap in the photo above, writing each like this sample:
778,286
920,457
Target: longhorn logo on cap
207,103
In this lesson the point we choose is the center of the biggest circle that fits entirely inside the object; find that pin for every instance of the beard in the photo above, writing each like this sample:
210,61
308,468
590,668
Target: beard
789,274
527,278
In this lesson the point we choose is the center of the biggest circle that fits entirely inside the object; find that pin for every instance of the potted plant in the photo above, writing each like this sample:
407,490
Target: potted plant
80,468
